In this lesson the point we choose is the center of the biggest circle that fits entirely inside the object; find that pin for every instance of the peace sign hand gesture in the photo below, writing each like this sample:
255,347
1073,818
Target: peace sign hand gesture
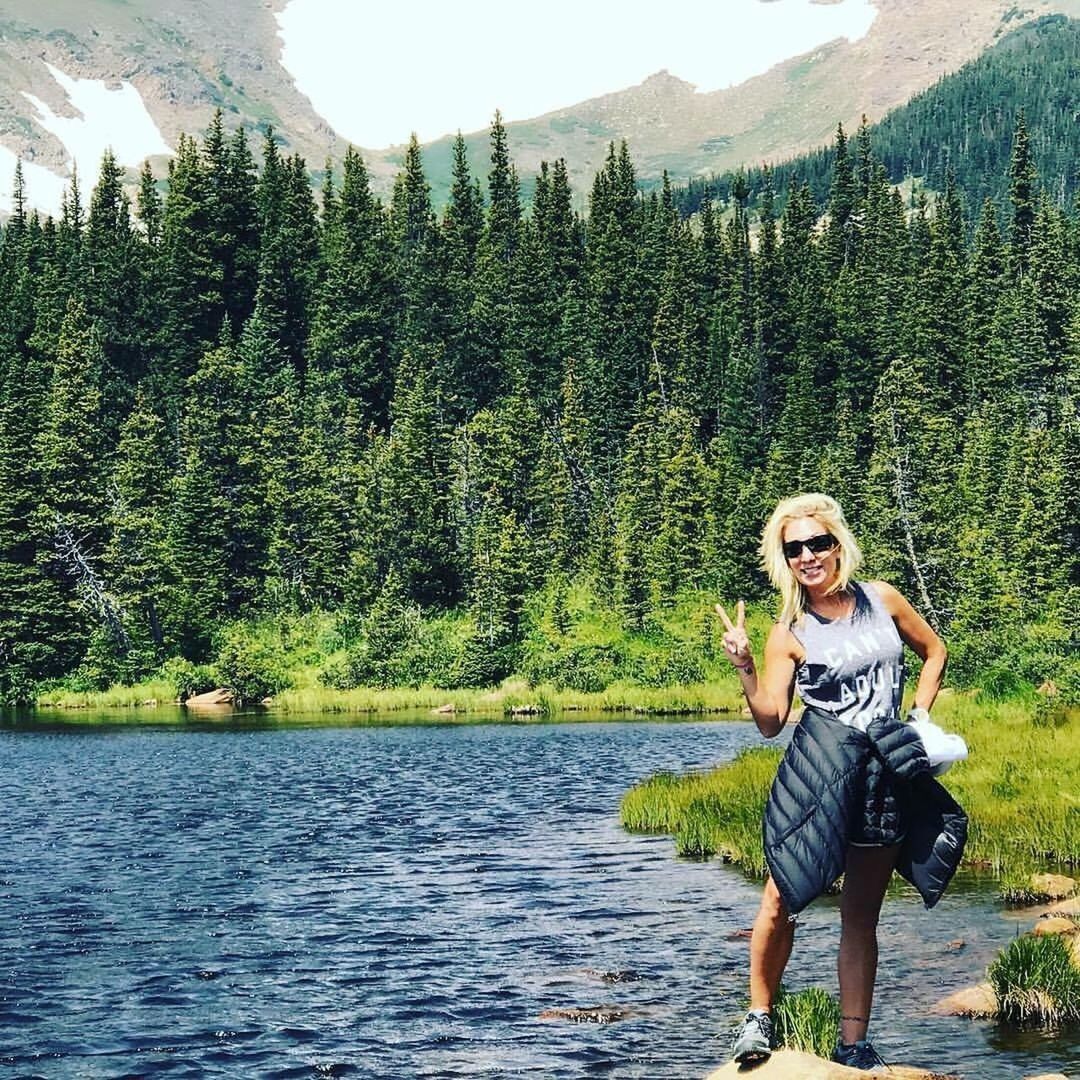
736,640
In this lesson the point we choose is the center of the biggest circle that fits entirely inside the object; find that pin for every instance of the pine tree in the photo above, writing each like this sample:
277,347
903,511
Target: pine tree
36,617
288,264
191,289
1022,197
70,450
982,299
416,530
618,356
840,241
486,374
422,317
678,549
138,559
497,584
232,191
219,522
111,284
295,501
354,316
70,446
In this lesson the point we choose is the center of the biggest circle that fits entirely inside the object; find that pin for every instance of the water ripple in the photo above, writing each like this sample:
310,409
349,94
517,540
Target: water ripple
406,902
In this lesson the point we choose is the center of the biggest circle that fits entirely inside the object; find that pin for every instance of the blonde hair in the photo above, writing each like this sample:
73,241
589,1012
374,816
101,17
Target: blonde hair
822,508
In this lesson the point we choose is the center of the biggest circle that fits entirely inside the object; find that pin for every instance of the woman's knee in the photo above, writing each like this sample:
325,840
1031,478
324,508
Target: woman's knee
773,909
859,914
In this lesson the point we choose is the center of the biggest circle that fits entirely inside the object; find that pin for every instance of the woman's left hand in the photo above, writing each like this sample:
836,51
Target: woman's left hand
736,639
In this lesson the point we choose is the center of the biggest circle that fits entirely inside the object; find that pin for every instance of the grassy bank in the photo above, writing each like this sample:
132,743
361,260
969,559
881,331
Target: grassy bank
514,697
1020,788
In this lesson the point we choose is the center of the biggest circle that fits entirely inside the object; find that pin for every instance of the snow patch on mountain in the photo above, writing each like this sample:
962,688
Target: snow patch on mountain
43,189
108,117
104,117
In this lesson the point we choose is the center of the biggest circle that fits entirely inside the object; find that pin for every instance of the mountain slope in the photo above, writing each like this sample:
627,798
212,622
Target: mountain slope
206,54
792,108
185,62
964,122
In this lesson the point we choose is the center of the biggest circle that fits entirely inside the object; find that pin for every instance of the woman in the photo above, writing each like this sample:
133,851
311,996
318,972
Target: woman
853,793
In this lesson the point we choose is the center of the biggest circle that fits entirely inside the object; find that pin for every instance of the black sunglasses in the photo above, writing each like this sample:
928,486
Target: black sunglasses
814,544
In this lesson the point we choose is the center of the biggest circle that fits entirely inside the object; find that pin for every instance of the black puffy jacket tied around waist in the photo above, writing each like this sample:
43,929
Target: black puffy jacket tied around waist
835,779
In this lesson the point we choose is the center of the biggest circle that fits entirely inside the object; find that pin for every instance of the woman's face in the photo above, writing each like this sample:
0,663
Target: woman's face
812,571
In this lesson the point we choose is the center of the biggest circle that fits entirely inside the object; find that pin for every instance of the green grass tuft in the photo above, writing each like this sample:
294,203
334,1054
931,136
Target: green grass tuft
1036,981
807,1020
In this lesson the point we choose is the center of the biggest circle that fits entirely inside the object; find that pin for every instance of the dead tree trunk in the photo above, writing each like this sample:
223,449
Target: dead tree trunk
906,516
90,587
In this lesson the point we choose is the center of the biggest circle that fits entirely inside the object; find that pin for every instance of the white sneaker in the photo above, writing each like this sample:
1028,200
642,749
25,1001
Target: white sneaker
753,1041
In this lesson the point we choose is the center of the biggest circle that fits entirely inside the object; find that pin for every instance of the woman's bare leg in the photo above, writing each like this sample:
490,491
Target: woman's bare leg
770,948
865,878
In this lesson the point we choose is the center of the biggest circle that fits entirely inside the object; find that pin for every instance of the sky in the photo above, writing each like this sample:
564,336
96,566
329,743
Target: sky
377,72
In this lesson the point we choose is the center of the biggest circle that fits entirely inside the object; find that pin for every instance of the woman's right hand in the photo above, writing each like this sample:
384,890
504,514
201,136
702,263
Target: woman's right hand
736,640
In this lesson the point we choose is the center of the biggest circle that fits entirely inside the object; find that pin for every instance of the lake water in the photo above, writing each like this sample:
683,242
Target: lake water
407,902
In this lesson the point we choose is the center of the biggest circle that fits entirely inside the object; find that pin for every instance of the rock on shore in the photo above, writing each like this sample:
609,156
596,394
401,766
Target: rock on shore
211,699
795,1065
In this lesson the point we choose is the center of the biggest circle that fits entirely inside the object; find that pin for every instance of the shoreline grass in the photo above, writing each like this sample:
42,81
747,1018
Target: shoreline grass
807,1020
513,698
1020,788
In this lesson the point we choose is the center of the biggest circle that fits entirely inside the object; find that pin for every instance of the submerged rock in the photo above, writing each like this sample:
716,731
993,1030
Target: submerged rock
591,1014
618,976
795,1065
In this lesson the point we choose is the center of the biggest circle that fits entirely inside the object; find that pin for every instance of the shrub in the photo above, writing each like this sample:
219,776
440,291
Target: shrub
1002,683
586,668
186,678
678,668
248,666
482,664
402,648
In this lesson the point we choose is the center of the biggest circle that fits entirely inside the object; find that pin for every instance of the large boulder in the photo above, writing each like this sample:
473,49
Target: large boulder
1055,924
795,1065
212,699
975,1001
1053,886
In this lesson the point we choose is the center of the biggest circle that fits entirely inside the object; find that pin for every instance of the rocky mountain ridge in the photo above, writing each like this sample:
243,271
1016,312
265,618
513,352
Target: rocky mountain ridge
207,54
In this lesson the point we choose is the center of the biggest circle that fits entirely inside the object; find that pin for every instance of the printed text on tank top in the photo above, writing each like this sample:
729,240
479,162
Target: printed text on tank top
852,665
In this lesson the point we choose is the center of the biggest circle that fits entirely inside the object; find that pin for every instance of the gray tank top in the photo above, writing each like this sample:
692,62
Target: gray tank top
854,667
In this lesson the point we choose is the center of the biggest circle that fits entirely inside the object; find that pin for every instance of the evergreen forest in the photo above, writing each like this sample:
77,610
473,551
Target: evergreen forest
232,400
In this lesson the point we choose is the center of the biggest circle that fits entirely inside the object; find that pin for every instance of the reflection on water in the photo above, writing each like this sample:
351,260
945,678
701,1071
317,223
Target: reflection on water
237,899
